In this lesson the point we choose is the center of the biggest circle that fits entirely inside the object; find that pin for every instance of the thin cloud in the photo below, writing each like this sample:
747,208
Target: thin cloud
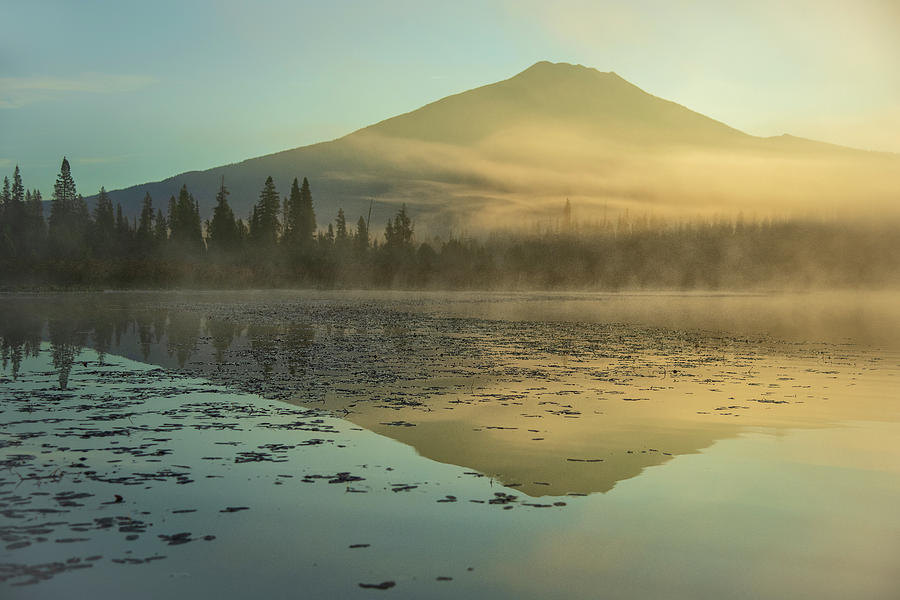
16,92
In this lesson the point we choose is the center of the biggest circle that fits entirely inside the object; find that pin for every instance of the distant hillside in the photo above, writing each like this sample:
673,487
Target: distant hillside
511,153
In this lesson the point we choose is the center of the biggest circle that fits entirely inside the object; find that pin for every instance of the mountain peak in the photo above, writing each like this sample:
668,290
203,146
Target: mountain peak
563,97
564,69
558,66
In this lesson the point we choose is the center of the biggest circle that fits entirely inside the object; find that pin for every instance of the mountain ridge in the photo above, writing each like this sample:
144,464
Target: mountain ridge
463,151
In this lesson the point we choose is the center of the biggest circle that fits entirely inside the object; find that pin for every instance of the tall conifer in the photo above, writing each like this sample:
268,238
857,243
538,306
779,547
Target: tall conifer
264,224
223,230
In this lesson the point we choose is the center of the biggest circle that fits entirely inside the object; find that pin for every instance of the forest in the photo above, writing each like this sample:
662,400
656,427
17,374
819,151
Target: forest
281,244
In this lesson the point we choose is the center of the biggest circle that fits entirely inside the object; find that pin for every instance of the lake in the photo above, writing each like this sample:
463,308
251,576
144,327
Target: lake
434,445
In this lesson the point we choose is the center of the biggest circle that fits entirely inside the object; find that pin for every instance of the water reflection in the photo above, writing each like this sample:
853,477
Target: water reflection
546,407
66,341
758,513
169,337
182,332
20,337
222,334
298,340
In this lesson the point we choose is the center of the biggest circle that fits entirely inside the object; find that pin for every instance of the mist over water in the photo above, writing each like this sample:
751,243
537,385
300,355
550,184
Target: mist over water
738,429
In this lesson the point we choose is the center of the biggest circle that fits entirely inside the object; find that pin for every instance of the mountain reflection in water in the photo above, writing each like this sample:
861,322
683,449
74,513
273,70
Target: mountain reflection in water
547,407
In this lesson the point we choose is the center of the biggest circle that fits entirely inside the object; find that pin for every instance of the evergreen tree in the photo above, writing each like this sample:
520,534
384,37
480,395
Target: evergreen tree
306,222
292,212
69,221
81,215
264,223
341,227
37,204
15,207
184,221
17,193
222,231
36,231
5,194
5,225
361,239
195,222
173,207
63,200
253,222
104,230
12,231
124,231
300,227
161,228
144,233
399,233
342,240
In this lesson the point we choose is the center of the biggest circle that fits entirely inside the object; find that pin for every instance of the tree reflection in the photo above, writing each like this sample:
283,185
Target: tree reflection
182,335
221,335
66,340
20,337
263,346
298,339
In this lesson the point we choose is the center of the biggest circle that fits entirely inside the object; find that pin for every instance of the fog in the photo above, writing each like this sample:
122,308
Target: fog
522,175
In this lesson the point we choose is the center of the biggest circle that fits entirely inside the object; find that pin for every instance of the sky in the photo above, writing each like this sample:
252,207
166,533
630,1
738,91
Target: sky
138,91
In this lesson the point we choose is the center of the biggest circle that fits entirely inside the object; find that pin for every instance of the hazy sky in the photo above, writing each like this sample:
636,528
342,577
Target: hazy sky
138,91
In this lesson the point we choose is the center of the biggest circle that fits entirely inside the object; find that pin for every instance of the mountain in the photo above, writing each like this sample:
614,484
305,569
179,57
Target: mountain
512,152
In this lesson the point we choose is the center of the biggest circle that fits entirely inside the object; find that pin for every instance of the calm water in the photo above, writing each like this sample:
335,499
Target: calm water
522,445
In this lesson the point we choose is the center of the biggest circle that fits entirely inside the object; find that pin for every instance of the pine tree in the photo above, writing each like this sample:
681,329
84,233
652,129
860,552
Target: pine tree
300,226
104,230
173,208
17,193
264,224
81,215
361,239
5,194
6,245
341,227
292,212
342,240
16,205
124,232
63,200
12,233
196,226
399,233
144,232
37,229
184,221
69,221
161,228
222,231
306,222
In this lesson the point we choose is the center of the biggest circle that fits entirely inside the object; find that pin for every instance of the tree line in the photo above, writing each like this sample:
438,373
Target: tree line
280,244
87,322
